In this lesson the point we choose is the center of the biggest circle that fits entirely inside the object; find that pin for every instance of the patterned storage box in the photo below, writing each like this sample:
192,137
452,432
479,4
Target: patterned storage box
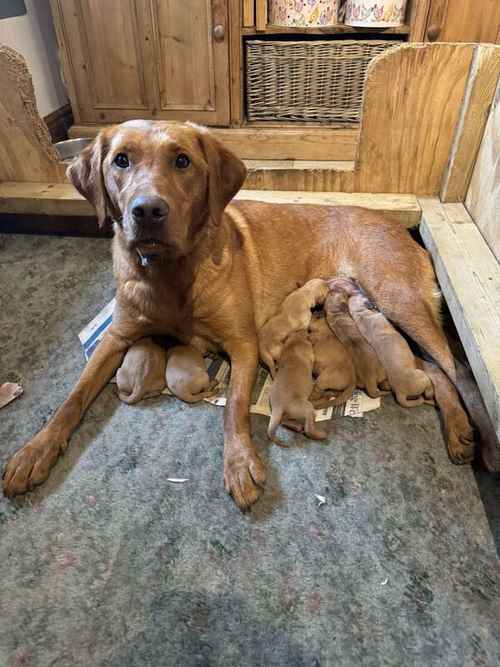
303,13
319,81
375,13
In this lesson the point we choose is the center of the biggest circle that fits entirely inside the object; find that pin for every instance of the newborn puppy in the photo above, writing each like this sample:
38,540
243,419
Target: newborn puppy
408,382
332,365
293,385
142,373
186,374
369,371
294,315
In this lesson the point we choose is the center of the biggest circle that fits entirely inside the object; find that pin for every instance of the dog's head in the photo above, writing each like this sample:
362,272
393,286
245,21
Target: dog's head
160,182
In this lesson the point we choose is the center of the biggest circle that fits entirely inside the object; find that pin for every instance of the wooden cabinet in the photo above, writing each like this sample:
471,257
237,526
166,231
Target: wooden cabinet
164,59
463,21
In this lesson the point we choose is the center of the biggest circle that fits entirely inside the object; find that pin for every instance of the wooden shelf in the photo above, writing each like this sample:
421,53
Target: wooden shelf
330,30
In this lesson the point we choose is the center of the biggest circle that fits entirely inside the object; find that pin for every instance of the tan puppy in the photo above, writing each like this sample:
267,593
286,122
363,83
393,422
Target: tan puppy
408,382
293,385
142,373
186,374
369,371
294,315
332,365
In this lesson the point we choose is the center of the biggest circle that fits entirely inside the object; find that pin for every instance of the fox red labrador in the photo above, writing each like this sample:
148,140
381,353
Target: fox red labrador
190,265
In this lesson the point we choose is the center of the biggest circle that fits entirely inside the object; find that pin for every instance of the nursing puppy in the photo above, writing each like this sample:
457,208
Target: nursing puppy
410,385
292,387
333,367
369,371
142,373
294,315
186,374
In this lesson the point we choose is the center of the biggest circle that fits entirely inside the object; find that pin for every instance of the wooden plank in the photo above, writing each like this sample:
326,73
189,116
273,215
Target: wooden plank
418,12
325,30
261,14
274,143
469,276
407,132
483,196
63,199
483,78
26,151
43,199
301,165
309,180
464,21
249,13
236,63
403,208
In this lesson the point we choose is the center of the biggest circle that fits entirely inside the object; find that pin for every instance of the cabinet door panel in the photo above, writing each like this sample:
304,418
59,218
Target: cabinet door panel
193,67
103,50
112,35
145,59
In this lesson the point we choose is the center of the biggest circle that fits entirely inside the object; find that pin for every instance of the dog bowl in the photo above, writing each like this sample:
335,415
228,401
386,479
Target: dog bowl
70,148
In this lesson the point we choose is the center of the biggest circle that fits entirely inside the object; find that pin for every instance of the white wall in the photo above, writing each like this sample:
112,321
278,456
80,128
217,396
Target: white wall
33,36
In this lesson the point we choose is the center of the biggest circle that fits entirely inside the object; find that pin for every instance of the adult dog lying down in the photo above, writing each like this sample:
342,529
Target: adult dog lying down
187,266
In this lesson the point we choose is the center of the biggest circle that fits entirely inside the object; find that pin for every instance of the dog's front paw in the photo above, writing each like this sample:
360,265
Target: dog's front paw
244,478
31,465
460,440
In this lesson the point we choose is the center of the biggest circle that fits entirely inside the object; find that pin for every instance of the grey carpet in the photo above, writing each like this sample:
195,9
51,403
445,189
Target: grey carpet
109,564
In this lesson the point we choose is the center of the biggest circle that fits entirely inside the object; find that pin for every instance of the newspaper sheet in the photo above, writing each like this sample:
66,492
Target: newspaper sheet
218,368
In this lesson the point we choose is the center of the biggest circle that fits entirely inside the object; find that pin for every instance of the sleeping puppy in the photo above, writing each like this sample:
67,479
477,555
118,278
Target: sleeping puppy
186,374
142,373
369,371
410,385
294,315
292,387
333,367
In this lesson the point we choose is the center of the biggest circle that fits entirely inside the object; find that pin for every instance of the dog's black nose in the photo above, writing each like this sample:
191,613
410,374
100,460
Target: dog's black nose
148,209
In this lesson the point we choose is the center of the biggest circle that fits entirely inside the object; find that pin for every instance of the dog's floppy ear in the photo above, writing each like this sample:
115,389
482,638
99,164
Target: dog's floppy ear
226,173
85,172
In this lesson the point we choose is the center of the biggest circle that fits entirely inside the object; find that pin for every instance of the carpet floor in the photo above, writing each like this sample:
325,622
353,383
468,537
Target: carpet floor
108,564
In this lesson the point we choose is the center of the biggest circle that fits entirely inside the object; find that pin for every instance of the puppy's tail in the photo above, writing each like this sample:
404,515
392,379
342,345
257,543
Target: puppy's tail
274,422
130,399
406,402
344,396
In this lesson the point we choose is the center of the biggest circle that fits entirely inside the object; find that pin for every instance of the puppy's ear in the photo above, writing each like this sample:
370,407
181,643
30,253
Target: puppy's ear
226,173
85,172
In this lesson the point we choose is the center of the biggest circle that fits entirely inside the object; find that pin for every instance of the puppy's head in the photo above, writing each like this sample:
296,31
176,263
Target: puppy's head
162,183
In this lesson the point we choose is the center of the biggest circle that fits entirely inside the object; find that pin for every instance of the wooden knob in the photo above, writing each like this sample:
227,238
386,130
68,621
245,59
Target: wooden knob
219,32
433,32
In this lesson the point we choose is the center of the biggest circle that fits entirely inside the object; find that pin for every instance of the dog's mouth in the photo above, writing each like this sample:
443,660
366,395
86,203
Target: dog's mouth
150,245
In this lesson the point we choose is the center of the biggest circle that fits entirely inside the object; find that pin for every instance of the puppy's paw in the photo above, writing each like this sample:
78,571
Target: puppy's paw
460,441
31,465
244,478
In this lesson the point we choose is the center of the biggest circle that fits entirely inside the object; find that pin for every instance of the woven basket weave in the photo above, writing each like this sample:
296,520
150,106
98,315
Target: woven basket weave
318,81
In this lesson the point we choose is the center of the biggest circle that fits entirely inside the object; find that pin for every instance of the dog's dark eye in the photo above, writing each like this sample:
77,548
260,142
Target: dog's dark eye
182,161
121,160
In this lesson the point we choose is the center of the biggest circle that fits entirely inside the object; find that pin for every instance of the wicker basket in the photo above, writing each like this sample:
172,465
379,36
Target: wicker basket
318,81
